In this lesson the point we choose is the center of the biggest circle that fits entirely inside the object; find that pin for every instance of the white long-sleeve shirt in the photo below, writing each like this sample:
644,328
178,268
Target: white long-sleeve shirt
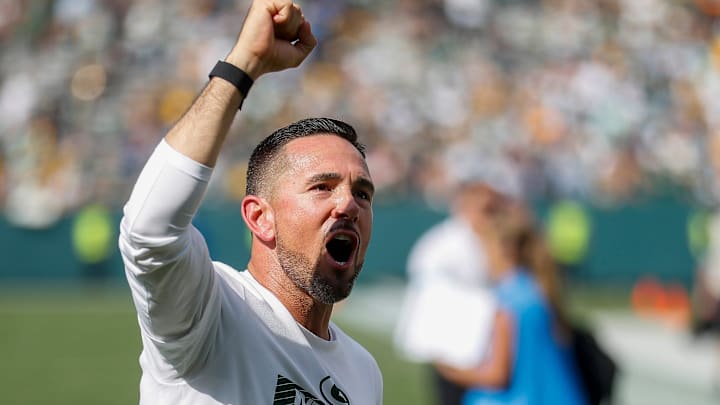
211,334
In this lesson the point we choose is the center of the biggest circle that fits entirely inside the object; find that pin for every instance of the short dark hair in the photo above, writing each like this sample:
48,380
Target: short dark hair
268,150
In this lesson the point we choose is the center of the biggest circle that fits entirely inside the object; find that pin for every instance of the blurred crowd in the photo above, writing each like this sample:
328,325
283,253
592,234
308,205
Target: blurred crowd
604,100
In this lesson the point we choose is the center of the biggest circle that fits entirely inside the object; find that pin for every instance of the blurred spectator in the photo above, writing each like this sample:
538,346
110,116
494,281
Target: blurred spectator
450,256
530,359
706,289
448,267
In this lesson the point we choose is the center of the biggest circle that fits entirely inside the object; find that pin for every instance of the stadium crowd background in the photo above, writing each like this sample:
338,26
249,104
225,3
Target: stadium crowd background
602,100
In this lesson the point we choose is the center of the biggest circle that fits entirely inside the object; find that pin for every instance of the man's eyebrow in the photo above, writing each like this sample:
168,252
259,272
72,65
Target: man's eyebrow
320,177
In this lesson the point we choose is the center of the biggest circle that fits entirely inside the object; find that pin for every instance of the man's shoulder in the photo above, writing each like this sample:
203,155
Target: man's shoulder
352,347
227,272
232,280
449,229
226,269
447,244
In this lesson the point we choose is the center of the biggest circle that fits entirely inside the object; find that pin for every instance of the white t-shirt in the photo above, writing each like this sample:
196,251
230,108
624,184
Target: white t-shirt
448,311
211,334
449,251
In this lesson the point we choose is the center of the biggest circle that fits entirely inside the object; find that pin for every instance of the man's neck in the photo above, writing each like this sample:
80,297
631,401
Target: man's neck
308,312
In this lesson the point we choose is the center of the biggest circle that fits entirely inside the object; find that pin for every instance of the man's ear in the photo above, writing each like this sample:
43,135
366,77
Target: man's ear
259,217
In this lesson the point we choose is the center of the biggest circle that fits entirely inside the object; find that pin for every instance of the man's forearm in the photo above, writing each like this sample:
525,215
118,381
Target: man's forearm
274,37
201,131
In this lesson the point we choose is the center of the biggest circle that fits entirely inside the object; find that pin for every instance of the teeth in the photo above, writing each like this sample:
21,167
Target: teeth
344,238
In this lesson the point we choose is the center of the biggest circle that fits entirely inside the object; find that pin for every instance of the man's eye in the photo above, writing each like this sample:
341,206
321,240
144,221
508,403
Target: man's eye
321,187
364,195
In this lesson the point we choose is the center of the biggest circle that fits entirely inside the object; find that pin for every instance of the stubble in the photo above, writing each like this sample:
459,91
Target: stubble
306,275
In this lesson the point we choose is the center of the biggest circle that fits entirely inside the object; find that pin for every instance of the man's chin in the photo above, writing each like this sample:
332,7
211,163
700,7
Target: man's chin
331,292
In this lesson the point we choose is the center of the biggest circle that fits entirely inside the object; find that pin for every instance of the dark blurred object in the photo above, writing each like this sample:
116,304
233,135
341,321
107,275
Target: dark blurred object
710,325
447,393
598,371
706,316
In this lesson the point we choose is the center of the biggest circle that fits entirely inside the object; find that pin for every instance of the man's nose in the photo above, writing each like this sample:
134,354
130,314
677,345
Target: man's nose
346,206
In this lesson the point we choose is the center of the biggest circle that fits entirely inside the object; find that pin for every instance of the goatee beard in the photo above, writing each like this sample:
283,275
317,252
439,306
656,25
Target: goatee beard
306,276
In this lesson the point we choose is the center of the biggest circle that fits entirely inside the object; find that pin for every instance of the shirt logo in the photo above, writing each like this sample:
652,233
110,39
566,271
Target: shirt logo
331,393
289,393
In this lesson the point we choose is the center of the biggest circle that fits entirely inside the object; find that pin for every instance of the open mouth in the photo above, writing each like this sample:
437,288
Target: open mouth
341,247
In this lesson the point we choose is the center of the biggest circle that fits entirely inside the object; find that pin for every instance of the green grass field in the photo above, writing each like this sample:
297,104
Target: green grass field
78,346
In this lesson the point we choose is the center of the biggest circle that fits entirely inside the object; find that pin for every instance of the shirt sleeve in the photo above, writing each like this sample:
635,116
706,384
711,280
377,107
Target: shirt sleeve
166,259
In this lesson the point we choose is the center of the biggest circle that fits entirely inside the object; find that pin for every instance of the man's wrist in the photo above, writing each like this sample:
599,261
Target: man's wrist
233,75
252,68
